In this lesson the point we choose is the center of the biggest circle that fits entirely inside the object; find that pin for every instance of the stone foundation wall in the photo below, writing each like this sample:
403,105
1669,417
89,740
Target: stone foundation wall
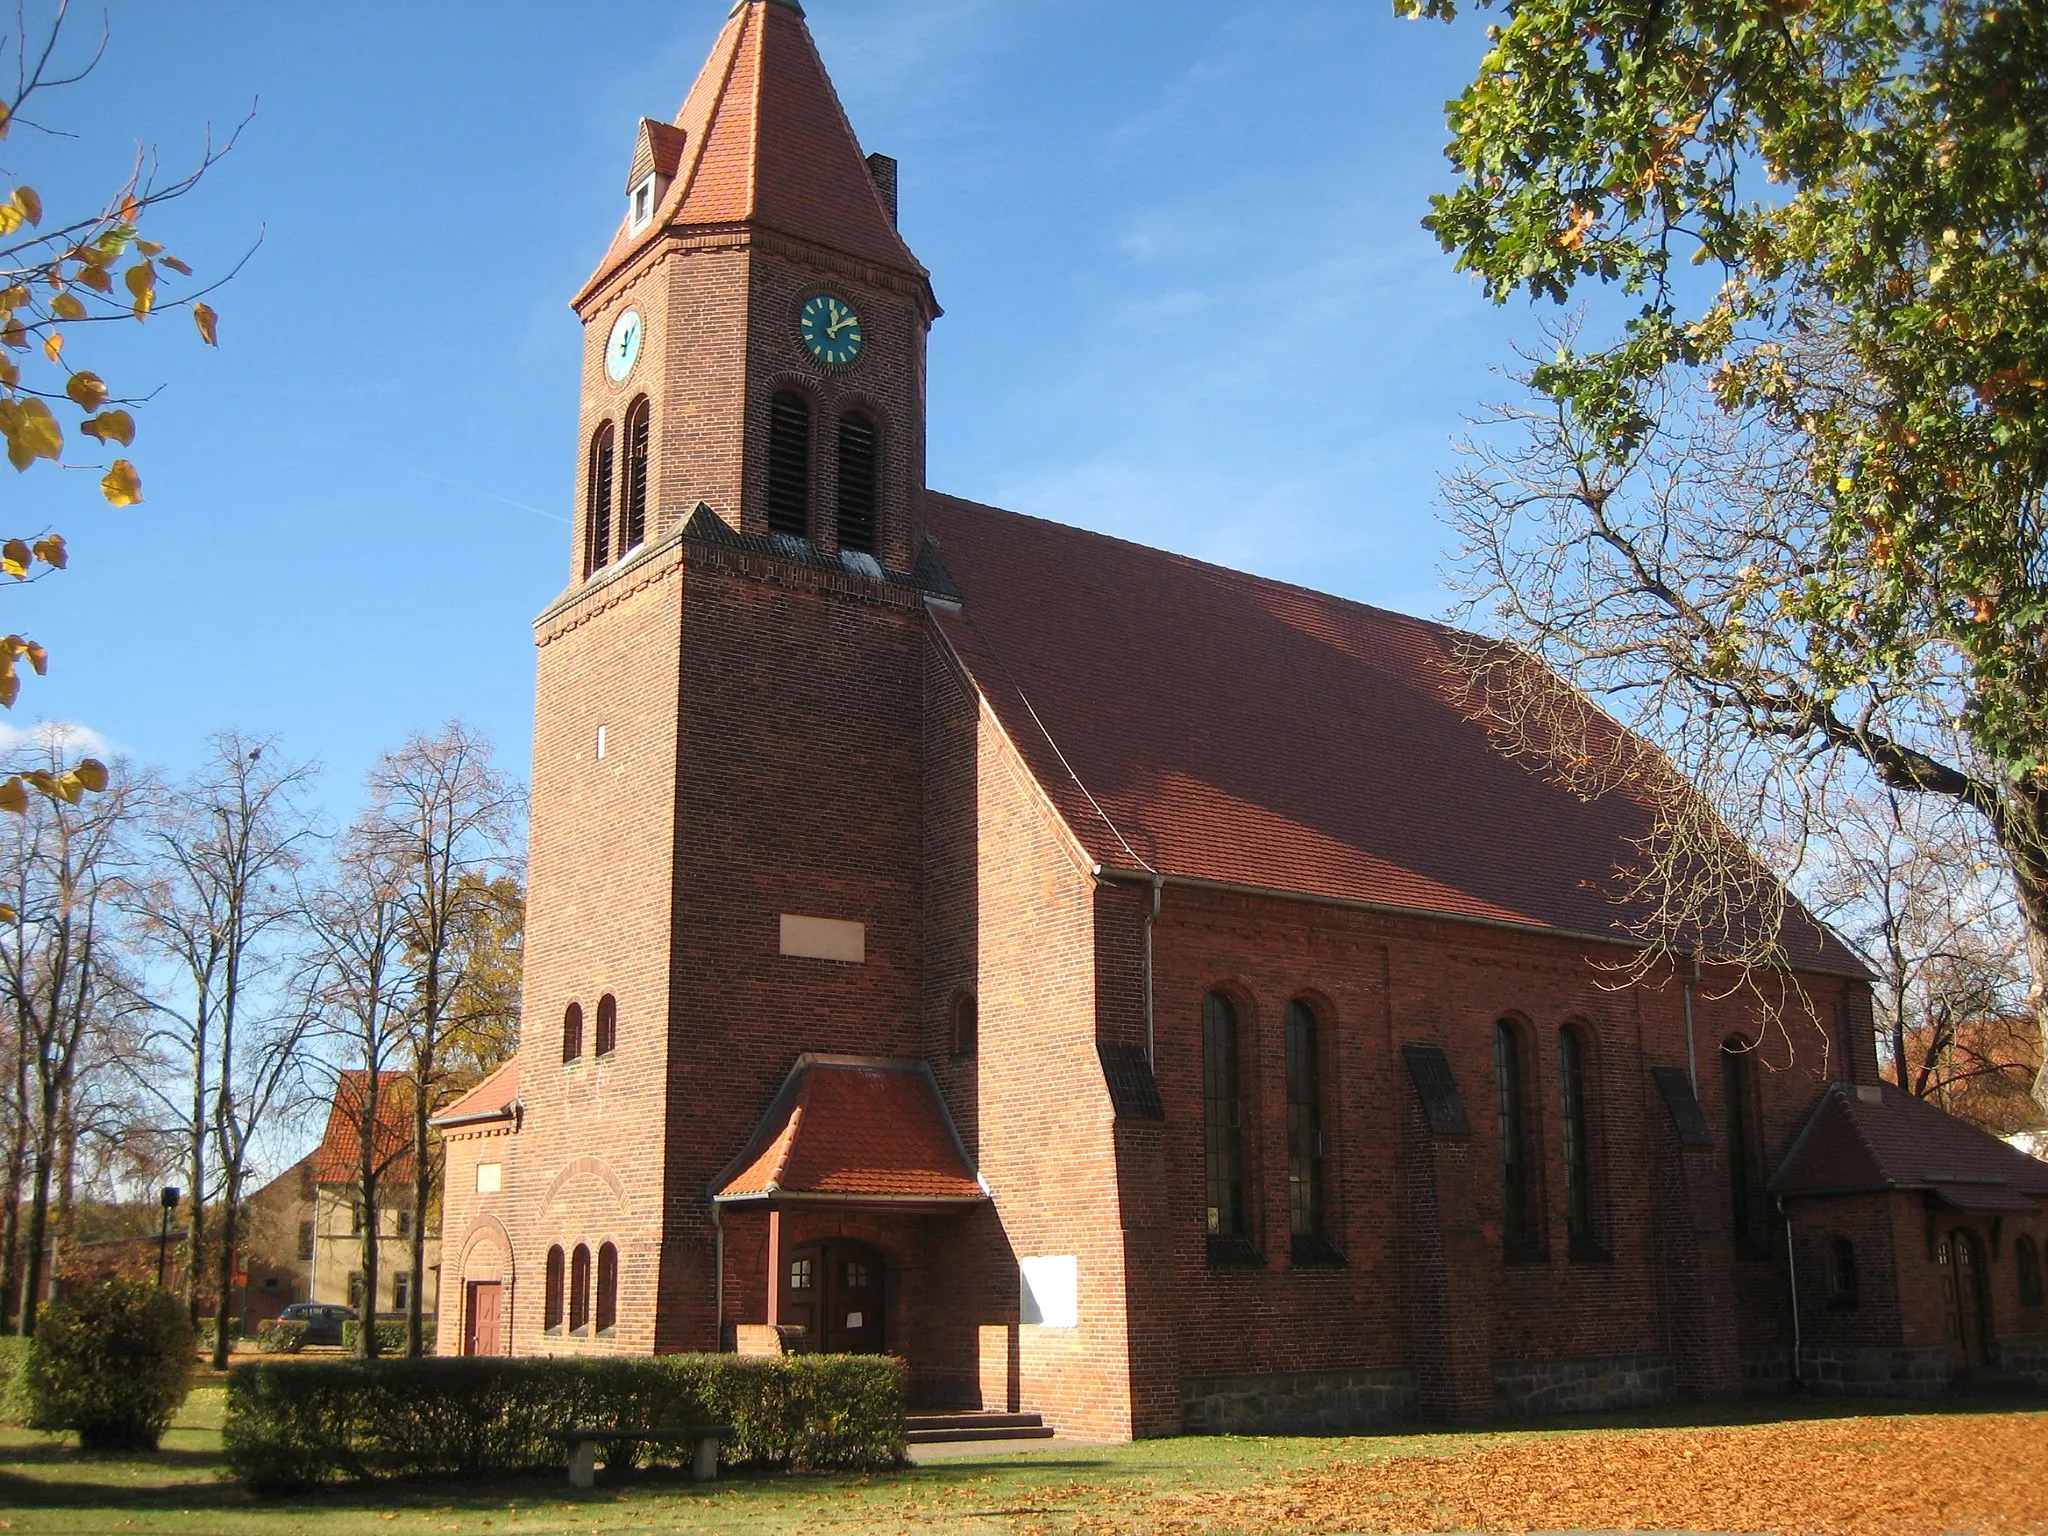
2027,1362
1296,1402
1923,1372
1767,1370
1583,1386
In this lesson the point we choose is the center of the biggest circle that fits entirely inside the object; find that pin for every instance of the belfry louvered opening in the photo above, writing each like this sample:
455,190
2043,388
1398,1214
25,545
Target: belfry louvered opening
857,483
633,505
597,517
789,465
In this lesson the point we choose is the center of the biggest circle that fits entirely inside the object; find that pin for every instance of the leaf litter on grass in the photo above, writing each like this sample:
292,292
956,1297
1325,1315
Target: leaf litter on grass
1986,1474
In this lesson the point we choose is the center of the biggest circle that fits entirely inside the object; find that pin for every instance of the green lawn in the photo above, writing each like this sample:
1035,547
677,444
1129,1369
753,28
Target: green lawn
48,1486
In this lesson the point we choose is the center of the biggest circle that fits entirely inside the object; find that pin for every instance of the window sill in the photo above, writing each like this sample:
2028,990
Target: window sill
1526,1253
1233,1253
1306,1252
1586,1251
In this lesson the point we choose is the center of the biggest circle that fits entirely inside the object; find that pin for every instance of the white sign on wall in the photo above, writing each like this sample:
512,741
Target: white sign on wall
489,1178
1051,1291
824,938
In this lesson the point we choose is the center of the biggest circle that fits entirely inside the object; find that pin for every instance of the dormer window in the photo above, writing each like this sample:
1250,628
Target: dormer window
643,204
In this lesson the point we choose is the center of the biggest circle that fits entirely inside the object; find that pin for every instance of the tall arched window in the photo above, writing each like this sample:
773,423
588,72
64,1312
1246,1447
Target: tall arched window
579,1289
1305,1133
633,504
551,1305
1745,1151
789,465
597,516
857,483
1842,1284
572,1032
2027,1259
607,1288
1223,1128
966,1025
607,1024
1577,1136
1517,1226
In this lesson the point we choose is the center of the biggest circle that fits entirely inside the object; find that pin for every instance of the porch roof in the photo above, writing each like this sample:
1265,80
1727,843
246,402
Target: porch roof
855,1129
1856,1144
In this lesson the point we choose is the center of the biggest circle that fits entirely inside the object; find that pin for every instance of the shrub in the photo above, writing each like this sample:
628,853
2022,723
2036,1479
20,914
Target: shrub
206,1328
281,1336
390,1337
294,1424
113,1362
13,1381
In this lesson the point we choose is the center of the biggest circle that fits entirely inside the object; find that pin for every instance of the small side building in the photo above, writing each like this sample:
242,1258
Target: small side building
335,1239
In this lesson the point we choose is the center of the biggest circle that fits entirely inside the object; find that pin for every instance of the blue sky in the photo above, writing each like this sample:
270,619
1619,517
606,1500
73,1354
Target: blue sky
1188,302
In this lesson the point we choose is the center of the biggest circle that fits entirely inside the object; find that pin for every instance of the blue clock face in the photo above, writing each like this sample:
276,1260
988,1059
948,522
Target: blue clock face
830,330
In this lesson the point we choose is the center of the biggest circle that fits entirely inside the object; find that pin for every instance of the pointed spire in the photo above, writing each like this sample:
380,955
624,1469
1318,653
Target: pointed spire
765,141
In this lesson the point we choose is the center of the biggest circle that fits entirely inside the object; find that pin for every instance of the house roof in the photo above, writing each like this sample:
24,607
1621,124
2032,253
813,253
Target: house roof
855,1129
1217,726
495,1098
766,143
338,1160
1858,1140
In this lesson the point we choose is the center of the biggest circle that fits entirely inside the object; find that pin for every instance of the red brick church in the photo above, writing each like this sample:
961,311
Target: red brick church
1124,988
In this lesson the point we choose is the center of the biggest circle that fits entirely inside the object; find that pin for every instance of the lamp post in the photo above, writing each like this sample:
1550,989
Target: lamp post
163,1236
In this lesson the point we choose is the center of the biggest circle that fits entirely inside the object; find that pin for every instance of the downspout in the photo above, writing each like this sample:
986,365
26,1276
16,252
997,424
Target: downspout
1792,1279
1151,919
718,1283
1692,1052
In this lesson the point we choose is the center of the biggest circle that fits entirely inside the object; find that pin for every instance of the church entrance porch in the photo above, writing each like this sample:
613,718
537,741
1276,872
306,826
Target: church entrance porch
834,1292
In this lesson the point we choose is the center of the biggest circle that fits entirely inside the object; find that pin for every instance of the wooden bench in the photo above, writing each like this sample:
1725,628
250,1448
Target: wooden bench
582,1444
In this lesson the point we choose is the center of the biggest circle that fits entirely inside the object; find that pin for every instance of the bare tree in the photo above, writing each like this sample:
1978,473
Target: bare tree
447,818
60,862
1687,585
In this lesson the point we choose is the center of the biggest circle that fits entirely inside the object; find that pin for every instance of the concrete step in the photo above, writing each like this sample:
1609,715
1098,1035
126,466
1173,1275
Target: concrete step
942,1428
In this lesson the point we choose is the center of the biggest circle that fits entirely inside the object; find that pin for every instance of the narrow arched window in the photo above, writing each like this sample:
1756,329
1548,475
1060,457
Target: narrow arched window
857,483
789,465
2027,1259
966,1025
572,1032
607,1288
607,1024
1842,1293
597,515
1304,1130
1745,1154
579,1289
1223,1126
1518,1230
1572,1123
551,1305
633,503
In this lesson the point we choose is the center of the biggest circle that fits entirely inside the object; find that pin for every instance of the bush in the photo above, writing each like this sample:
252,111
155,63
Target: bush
390,1337
280,1336
294,1424
206,1328
113,1362
13,1381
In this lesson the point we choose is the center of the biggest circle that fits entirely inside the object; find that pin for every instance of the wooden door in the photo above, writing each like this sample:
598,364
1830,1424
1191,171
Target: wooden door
481,1335
1972,1298
835,1290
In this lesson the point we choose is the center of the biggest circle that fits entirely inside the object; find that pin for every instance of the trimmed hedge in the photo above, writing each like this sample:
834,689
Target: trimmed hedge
13,1381
112,1361
390,1337
296,1424
281,1336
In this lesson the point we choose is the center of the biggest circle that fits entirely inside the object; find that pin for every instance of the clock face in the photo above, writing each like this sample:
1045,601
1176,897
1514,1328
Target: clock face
622,351
830,330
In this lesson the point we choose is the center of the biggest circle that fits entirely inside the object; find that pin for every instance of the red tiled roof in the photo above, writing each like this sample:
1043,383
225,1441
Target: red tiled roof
338,1159
766,142
1224,727
855,1128
494,1096
1900,1142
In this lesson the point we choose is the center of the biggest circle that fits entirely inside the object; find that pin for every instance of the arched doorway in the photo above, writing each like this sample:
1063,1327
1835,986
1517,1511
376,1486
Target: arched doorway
1970,1295
834,1291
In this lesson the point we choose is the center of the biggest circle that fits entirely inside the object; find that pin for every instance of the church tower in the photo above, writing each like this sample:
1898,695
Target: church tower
725,846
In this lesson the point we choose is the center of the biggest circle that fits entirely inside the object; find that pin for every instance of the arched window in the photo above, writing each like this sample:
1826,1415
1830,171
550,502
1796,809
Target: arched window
1745,1152
607,1288
789,465
857,483
572,1032
2027,1259
1223,1129
579,1289
607,1024
551,1305
1517,1226
966,1025
1577,1136
633,504
1841,1275
597,516
1305,1133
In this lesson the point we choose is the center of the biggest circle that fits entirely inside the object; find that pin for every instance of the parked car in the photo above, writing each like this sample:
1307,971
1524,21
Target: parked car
323,1319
